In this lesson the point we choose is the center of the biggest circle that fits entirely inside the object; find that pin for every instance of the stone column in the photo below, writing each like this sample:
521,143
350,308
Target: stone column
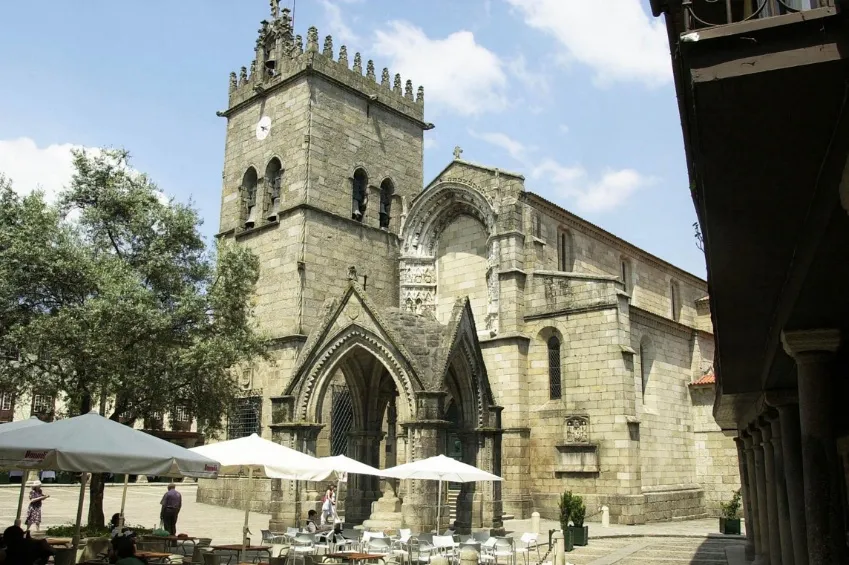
786,403
814,351
752,485
760,484
771,493
290,500
784,518
746,498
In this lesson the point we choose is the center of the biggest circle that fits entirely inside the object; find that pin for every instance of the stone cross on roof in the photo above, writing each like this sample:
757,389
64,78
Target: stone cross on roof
457,152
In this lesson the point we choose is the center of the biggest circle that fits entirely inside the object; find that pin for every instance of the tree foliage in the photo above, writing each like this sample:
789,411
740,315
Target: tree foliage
111,294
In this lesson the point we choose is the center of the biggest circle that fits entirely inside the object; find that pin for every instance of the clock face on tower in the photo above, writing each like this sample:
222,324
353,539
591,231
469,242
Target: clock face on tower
263,128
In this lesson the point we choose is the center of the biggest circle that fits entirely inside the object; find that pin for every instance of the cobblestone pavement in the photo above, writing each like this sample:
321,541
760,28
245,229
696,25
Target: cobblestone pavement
224,525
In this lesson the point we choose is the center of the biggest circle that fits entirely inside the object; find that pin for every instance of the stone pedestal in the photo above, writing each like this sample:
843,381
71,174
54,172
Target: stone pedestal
814,351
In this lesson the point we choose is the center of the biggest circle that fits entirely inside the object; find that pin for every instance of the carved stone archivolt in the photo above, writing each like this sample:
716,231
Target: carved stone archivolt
430,213
324,366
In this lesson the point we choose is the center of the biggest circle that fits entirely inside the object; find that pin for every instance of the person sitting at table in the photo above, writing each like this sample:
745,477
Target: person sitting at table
124,552
21,549
310,526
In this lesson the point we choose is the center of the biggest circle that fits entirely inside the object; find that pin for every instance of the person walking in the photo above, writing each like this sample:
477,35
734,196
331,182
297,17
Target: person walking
328,505
36,497
171,503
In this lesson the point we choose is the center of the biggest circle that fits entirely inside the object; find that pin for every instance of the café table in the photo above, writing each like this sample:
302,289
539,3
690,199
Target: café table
353,557
153,555
237,549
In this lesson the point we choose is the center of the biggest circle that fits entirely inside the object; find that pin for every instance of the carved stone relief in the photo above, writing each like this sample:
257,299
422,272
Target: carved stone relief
577,429
418,274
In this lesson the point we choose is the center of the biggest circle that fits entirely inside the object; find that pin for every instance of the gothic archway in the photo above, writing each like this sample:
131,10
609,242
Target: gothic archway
430,213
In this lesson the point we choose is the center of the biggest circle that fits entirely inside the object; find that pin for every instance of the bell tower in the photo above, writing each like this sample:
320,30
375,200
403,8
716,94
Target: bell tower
321,158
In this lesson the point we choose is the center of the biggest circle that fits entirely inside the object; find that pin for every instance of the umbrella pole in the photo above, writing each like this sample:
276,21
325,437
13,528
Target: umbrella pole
245,530
24,480
439,507
338,493
76,540
123,500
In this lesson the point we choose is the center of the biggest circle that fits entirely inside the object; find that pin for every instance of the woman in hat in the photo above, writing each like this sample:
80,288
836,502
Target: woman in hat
36,497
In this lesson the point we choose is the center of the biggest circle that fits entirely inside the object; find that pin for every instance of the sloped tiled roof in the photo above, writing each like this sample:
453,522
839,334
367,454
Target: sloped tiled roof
708,379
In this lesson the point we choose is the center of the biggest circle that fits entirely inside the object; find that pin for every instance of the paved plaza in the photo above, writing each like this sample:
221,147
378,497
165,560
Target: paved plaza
691,543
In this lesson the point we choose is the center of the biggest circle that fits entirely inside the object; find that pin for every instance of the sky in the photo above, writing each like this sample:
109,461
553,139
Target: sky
577,96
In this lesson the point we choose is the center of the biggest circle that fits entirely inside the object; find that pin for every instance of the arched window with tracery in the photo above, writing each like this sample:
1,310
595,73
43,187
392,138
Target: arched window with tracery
274,181
359,190
249,182
387,191
555,385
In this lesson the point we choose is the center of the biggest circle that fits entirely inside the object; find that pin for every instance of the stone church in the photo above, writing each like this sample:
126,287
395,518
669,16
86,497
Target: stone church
463,315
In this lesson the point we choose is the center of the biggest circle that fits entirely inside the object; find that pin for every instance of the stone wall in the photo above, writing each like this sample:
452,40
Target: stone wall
717,469
594,251
461,268
236,492
667,450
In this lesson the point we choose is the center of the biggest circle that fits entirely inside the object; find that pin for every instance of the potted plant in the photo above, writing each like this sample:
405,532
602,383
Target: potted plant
580,532
729,522
565,505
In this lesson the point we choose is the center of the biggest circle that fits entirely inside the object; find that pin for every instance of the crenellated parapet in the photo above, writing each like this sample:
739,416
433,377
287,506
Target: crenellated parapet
281,56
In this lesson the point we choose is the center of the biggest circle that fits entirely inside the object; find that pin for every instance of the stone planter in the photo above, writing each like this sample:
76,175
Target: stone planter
580,534
729,526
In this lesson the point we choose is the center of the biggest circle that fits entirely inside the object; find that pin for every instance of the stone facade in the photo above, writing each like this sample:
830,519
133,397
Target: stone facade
469,315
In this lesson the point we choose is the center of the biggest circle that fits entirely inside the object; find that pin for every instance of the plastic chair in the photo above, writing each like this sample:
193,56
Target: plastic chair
211,558
504,548
302,545
378,546
528,541
421,551
487,554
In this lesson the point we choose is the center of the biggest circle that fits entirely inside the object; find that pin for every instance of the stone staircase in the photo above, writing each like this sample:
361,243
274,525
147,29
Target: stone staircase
451,507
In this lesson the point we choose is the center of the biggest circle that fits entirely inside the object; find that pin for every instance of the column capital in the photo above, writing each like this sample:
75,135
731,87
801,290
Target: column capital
757,436
781,397
748,441
765,428
797,342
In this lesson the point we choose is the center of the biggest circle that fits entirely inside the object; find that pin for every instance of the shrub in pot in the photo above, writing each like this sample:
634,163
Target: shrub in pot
565,506
580,532
729,522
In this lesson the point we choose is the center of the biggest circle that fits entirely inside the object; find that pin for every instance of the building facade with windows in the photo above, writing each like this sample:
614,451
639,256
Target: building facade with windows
466,316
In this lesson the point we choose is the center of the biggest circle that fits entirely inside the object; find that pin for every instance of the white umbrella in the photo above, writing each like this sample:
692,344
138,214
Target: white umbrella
263,458
324,467
11,427
93,444
440,468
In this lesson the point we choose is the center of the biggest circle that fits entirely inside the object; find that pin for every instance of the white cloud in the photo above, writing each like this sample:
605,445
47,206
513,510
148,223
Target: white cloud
618,39
458,73
533,81
31,167
564,129
574,183
340,30
48,169
429,143
514,148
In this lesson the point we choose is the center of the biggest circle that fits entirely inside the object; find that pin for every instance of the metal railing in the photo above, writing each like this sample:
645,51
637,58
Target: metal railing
701,14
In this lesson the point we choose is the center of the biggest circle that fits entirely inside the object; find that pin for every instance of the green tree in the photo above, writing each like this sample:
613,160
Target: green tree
122,304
